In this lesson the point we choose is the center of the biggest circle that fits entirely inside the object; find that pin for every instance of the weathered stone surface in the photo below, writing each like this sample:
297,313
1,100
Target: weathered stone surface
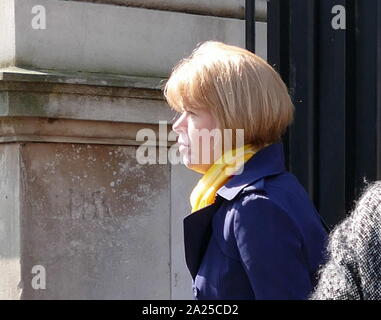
10,233
182,182
96,220
7,32
222,8
54,81
65,96
86,107
99,222
113,39
31,129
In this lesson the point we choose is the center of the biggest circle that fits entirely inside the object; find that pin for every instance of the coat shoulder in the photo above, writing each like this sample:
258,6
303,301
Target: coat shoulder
251,212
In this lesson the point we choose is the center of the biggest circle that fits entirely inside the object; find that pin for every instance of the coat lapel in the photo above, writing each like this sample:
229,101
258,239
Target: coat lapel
197,232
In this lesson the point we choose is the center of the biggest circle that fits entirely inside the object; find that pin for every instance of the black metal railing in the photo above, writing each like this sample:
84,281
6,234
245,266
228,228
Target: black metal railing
334,78
250,25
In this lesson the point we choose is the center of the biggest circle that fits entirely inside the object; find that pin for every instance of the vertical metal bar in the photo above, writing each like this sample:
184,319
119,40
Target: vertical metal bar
367,92
332,122
278,48
278,22
274,35
302,89
378,85
351,102
250,25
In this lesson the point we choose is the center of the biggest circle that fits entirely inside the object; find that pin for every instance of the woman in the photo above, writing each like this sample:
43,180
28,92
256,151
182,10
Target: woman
353,271
253,232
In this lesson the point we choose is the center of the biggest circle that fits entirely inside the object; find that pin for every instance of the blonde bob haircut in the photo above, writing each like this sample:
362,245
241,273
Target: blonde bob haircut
240,89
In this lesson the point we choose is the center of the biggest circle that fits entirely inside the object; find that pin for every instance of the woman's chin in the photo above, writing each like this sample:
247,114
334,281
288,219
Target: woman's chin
199,168
190,165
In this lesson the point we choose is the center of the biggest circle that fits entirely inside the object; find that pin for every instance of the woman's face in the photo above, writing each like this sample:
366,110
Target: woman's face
197,146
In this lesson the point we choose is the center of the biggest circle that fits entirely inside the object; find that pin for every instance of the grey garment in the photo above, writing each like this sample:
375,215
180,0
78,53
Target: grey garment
353,263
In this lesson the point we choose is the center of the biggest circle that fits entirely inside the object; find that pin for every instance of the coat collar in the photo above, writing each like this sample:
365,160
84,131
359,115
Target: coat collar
197,233
197,226
267,162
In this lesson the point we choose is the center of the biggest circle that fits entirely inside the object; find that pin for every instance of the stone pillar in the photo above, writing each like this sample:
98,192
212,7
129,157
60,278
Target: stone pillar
74,199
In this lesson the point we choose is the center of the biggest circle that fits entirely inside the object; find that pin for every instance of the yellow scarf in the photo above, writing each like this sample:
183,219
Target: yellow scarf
205,191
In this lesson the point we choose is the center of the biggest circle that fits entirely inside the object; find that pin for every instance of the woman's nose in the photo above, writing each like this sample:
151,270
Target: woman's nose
180,124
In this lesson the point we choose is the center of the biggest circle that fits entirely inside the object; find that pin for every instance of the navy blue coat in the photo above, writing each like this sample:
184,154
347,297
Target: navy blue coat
261,239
